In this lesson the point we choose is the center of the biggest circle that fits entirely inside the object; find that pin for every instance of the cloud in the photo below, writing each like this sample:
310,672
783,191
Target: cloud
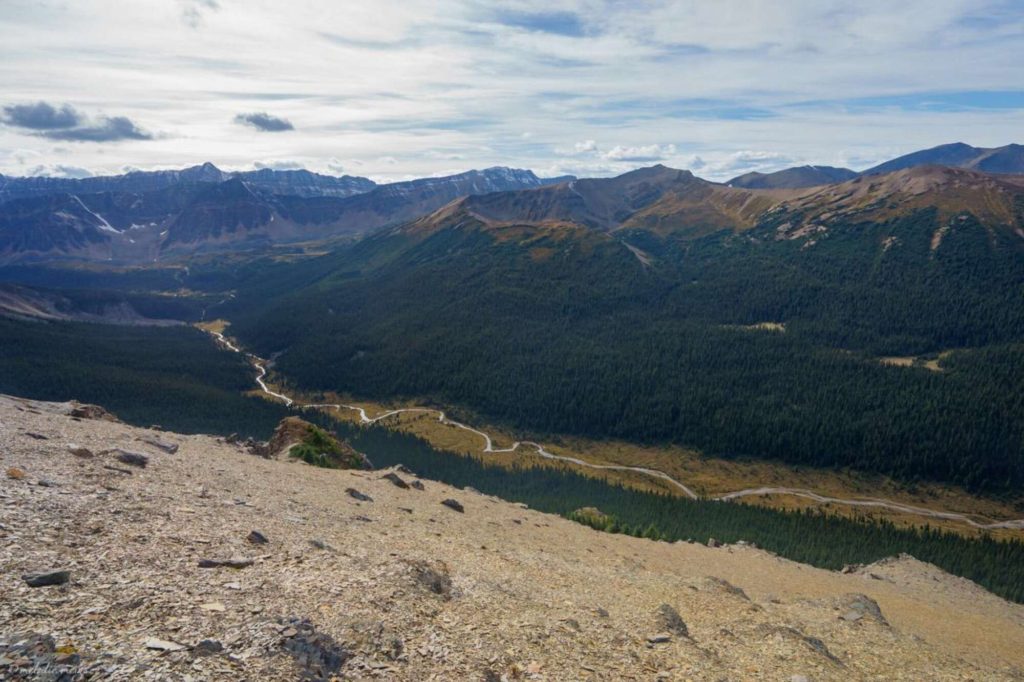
281,164
752,160
194,11
650,152
113,129
60,170
819,81
68,124
265,122
558,23
41,116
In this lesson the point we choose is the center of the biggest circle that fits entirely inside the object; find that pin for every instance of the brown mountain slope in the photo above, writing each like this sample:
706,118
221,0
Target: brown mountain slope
659,199
405,588
998,201
668,201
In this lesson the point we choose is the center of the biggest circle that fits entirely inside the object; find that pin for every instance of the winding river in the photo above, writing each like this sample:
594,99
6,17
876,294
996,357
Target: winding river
261,368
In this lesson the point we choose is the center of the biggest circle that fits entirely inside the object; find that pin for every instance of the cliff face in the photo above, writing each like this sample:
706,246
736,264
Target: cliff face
152,566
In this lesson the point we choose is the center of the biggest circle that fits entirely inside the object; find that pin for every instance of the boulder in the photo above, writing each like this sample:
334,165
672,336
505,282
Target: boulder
396,480
454,504
85,411
47,579
669,620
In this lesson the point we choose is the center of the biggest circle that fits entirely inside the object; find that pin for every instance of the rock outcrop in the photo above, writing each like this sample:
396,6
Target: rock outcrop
297,438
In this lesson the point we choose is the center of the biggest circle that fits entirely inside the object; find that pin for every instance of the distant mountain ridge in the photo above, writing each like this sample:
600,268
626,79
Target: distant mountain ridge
1008,159
793,178
202,208
295,182
1005,160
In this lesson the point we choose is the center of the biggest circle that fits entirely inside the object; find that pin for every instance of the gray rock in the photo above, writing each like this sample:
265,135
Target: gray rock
435,579
395,479
660,638
47,579
135,459
257,538
418,485
362,497
714,543
454,504
318,656
727,587
165,445
208,647
164,645
234,562
78,451
669,620
864,606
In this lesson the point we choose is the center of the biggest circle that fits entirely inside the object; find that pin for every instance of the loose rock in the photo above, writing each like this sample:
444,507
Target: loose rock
861,605
454,504
352,492
164,645
78,451
208,647
46,579
165,445
670,621
136,459
434,578
319,656
396,479
234,562
256,538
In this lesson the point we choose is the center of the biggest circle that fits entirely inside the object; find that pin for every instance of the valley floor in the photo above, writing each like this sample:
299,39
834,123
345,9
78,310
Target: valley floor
402,587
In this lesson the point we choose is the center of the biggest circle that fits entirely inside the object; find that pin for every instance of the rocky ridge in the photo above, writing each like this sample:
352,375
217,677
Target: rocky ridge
212,563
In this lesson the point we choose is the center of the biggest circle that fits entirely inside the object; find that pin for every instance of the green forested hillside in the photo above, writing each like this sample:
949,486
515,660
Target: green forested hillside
172,376
575,335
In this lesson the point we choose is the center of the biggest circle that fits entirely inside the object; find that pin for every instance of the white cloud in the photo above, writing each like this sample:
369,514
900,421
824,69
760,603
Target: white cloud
415,87
279,164
649,152
60,171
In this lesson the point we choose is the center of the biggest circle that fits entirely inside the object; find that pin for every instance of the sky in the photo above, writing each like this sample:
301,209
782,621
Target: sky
397,89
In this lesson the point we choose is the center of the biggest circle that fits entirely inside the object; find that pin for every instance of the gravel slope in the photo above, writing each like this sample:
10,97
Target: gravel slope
405,588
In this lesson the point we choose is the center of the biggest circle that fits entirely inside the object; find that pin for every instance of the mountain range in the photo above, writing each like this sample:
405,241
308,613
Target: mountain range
1003,160
144,217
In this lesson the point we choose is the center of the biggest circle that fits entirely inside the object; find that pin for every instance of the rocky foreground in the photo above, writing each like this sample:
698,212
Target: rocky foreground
129,554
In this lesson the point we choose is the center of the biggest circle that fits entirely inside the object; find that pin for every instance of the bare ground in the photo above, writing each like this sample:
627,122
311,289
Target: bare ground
405,588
